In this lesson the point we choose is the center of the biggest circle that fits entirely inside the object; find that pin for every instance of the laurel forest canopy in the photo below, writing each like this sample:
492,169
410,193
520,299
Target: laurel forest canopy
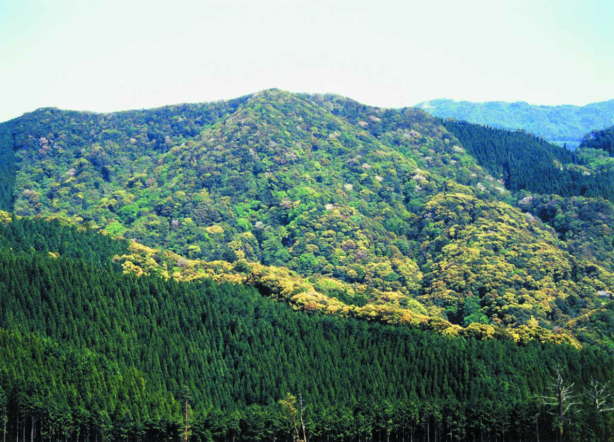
287,265
385,214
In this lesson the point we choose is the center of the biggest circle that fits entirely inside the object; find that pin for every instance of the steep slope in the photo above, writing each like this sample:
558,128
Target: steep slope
346,195
585,224
526,162
501,258
419,137
89,353
564,189
558,124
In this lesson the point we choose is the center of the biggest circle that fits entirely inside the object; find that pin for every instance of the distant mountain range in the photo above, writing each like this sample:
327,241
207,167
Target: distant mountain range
564,124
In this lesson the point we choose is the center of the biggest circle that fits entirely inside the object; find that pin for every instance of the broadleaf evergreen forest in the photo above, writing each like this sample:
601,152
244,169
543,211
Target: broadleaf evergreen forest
302,267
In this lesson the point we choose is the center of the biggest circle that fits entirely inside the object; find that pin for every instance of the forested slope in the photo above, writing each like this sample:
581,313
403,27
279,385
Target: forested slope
585,224
331,205
526,162
90,353
600,139
570,191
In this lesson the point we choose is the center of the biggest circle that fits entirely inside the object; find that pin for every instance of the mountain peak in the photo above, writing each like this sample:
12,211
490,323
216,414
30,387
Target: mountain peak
271,92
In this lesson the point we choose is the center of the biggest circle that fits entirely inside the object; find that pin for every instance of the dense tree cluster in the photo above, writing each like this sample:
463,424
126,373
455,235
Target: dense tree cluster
58,239
600,139
7,170
512,266
526,162
585,224
89,353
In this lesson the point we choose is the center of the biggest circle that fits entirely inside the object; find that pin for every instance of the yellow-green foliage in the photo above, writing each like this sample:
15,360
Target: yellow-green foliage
513,264
5,217
322,294
317,200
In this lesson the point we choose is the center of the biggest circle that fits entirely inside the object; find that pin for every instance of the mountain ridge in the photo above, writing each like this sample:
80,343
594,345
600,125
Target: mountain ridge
562,124
383,207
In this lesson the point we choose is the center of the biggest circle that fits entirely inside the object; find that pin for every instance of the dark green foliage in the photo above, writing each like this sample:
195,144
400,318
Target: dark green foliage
85,350
596,327
600,139
29,235
558,124
7,169
526,162
472,312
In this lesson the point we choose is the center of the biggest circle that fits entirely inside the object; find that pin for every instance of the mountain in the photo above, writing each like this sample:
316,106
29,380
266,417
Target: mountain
328,204
564,124
88,352
451,280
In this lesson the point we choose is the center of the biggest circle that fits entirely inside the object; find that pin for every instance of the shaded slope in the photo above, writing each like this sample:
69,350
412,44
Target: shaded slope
602,139
526,162
585,224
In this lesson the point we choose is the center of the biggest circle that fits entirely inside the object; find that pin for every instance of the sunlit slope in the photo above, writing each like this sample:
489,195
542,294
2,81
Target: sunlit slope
370,212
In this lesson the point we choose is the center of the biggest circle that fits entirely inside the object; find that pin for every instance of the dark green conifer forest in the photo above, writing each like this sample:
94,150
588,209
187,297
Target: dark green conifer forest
527,162
89,353
600,139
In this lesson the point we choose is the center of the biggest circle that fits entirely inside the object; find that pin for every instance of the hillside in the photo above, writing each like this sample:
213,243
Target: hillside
526,162
565,124
600,139
318,200
89,353
570,191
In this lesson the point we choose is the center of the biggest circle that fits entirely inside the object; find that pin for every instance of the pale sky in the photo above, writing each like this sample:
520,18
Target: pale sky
106,55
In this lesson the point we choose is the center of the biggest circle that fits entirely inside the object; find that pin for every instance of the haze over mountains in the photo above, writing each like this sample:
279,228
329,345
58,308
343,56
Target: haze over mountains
563,124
